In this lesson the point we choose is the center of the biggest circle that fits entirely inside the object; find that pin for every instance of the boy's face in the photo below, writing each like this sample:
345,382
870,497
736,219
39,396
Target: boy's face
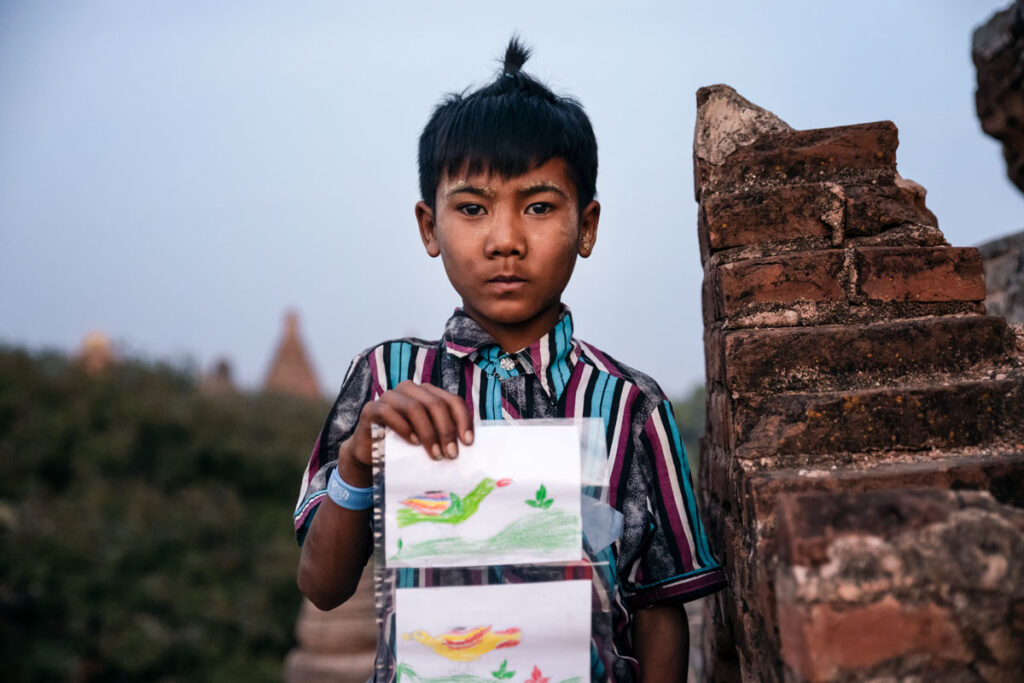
509,246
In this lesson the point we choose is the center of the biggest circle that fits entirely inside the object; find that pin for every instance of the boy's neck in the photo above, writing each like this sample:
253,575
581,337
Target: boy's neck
518,336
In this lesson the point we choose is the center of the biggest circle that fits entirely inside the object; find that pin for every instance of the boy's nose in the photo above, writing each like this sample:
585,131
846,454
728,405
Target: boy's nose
506,238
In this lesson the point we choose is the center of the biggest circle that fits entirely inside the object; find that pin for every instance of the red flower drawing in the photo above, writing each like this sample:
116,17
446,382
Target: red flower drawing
537,678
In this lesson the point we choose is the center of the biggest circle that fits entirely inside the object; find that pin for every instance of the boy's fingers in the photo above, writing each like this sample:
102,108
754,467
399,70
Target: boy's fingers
417,415
440,414
382,414
459,411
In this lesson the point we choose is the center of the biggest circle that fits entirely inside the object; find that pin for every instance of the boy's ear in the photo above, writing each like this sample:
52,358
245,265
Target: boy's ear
428,229
588,228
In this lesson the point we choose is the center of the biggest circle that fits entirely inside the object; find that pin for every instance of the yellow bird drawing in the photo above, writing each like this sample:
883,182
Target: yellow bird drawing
466,644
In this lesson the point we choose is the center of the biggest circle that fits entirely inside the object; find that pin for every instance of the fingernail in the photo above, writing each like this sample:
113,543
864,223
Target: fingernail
435,452
453,450
414,440
468,437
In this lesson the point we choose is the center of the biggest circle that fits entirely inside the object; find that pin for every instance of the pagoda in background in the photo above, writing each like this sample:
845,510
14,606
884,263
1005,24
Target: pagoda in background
291,371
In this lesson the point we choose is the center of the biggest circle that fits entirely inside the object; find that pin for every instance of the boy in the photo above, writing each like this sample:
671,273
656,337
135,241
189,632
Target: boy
507,176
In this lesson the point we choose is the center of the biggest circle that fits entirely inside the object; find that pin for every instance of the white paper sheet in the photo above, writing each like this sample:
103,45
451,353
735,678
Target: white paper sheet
533,632
513,497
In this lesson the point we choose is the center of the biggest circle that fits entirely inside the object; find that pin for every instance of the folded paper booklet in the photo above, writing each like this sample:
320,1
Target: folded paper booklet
512,497
518,632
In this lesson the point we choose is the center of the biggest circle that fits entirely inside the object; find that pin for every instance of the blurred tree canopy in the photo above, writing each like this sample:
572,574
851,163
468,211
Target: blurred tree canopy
144,526
690,418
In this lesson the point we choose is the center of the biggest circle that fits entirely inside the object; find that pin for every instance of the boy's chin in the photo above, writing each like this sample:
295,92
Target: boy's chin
510,314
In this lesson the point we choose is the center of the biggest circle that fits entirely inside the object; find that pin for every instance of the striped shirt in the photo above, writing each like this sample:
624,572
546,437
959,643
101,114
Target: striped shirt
663,554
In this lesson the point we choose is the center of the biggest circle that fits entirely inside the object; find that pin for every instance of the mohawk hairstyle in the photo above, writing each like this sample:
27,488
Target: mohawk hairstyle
508,127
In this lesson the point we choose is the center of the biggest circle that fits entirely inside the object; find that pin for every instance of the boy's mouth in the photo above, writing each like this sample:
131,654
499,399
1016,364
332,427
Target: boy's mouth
507,283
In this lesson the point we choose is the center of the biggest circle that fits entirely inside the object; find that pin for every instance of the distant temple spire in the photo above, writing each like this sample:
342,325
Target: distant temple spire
95,353
290,371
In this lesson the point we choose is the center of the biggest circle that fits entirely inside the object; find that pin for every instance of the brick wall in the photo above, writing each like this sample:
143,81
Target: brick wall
849,363
1003,259
998,51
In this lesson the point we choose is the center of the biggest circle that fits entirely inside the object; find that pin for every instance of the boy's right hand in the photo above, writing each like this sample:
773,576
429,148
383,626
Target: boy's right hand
420,413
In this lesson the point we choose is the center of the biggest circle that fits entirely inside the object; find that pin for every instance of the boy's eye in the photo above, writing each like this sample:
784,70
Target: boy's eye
539,208
471,209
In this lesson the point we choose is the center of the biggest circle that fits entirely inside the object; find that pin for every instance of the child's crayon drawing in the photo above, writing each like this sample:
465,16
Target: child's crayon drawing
503,672
541,534
512,497
466,644
537,677
540,499
506,633
406,674
439,507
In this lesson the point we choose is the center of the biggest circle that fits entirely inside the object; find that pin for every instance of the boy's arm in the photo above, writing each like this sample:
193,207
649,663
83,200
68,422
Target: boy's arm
661,640
337,545
338,541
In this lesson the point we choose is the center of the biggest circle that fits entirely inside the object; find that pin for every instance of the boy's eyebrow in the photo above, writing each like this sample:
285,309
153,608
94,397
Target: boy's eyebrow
463,186
541,186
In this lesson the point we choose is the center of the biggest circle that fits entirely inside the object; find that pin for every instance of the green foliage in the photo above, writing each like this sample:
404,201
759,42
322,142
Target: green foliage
144,528
502,673
690,418
540,499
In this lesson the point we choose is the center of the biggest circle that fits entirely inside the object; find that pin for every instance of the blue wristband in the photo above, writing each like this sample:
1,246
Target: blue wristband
348,497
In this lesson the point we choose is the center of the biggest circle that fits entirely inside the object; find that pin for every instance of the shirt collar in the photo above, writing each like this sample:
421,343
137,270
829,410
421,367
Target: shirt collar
551,358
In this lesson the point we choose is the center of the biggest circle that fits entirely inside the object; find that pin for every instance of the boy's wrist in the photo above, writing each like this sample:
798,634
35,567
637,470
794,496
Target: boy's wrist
348,496
351,470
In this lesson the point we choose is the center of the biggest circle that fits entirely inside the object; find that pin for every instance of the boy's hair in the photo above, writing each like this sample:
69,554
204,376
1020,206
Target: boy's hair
508,127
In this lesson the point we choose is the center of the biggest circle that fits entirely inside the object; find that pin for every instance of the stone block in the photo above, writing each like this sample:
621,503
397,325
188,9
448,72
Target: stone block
919,274
720,419
807,523
786,213
998,53
846,356
871,209
820,642
1000,472
784,279
714,371
862,153
312,667
711,297
941,415
953,557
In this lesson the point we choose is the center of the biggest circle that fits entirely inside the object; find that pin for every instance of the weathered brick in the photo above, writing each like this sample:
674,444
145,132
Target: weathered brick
870,635
713,349
719,420
784,279
711,296
919,274
807,523
967,413
785,213
1001,473
845,356
871,209
859,153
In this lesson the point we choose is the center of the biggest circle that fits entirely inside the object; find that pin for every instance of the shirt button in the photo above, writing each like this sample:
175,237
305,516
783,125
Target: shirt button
507,364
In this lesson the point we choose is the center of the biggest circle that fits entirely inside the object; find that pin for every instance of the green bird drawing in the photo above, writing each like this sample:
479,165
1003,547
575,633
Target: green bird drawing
442,507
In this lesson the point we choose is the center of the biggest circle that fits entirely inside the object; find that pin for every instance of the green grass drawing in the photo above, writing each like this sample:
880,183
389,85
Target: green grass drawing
542,531
405,674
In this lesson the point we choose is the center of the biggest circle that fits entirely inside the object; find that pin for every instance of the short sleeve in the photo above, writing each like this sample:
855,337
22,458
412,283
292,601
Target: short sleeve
356,391
671,560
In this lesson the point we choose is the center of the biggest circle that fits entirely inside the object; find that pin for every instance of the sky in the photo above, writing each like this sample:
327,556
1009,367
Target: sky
178,174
